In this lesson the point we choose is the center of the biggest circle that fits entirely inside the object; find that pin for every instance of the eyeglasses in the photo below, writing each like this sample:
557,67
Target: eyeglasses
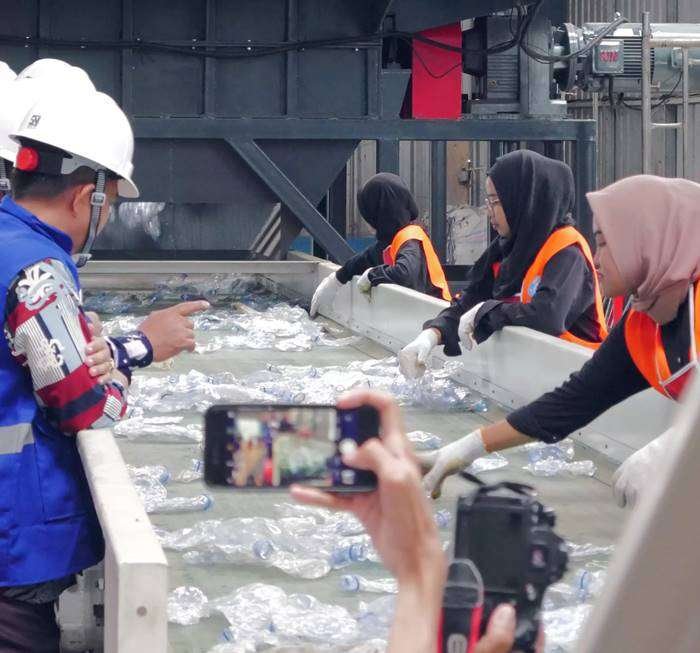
491,201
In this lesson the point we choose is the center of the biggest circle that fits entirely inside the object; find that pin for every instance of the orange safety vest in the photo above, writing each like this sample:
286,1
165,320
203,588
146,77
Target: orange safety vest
644,343
435,272
557,241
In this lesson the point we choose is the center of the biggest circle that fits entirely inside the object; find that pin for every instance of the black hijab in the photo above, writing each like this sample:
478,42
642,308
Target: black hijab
537,195
387,205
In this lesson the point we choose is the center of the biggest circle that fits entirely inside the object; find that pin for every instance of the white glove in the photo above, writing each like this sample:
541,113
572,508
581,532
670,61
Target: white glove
414,356
363,283
465,330
639,470
325,293
450,459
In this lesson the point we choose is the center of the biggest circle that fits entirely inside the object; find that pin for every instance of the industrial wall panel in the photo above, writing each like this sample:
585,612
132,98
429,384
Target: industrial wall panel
169,19
315,22
255,20
254,88
333,82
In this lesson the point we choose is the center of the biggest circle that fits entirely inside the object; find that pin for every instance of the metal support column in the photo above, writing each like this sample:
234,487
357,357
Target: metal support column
388,156
585,180
438,199
646,94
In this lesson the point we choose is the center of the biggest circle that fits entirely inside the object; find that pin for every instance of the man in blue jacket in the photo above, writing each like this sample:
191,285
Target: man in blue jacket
74,159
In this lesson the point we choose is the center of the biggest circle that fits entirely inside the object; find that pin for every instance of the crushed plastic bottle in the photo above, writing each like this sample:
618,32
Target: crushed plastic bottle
563,626
588,550
344,556
424,441
354,583
443,519
554,467
263,616
479,406
488,463
158,472
187,605
197,503
143,215
157,429
562,450
194,473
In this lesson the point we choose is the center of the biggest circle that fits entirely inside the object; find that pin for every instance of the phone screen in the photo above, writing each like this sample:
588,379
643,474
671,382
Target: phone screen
268,447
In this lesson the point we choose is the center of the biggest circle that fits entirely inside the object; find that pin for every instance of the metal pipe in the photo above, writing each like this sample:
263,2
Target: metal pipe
438,199
646,93
686,112
674,43
666,125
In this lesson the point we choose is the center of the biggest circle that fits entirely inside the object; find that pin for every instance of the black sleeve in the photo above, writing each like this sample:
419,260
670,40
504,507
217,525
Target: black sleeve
406,271
359,263
478,288
563,280
608,378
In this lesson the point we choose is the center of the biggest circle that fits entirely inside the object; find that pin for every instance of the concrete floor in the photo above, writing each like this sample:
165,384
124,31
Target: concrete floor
584,507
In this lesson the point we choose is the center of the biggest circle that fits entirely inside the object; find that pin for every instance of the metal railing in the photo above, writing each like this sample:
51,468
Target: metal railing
684,45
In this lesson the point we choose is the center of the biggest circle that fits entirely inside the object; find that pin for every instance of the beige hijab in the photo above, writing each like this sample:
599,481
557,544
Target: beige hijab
652,227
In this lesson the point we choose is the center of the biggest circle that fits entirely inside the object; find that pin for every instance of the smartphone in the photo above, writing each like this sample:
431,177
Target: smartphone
260,447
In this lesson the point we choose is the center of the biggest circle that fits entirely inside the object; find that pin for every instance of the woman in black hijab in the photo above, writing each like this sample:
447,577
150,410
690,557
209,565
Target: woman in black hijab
403,253
539,273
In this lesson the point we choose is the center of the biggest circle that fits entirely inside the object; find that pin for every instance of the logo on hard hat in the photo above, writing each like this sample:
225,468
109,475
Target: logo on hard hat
34,120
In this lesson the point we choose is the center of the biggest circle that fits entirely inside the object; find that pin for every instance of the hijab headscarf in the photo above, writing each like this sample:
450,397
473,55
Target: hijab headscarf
387,205
652,227
537,196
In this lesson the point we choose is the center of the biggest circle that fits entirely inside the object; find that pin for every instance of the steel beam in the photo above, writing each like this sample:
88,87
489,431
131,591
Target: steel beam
438,198
268,172
388,156
466,129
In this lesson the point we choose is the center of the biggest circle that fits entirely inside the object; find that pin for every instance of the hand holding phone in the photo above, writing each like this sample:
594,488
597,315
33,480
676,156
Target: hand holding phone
272,446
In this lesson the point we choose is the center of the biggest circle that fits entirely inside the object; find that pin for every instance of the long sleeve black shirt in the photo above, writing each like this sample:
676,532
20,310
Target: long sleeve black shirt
609,377
564,301
410,269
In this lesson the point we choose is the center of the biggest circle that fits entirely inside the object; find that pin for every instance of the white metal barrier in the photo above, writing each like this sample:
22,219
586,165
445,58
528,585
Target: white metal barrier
513,367
651,598
135,568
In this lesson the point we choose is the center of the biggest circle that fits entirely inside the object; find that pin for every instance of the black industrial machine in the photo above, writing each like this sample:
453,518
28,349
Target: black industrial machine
245,113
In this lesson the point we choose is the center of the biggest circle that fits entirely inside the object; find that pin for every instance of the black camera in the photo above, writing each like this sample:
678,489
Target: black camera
508,536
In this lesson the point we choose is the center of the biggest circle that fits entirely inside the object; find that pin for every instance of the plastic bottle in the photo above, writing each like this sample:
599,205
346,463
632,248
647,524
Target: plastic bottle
443,519
354,583
194,473
344,556
158,472
479,406
187,605
184,504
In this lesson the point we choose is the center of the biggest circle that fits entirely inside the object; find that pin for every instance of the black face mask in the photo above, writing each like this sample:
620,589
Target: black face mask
537,196
387,205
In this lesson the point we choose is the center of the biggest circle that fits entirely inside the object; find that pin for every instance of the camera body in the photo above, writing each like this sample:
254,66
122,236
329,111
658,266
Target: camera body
509,537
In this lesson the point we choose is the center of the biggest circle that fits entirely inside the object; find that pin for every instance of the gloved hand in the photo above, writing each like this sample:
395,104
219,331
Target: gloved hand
363,283
414,356
632,477
465,331
449,460
325,293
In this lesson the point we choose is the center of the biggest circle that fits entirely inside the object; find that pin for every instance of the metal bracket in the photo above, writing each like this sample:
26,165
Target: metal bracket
269,173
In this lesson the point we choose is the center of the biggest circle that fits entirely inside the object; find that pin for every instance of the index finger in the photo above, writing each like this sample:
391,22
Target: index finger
389,414
188,308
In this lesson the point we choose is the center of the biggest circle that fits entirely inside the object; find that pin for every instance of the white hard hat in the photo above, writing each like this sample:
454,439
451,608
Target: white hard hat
6,73
89,126
55,68
19,95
